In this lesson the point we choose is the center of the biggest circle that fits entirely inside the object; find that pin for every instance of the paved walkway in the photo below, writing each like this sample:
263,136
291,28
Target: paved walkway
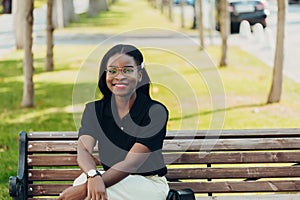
7,39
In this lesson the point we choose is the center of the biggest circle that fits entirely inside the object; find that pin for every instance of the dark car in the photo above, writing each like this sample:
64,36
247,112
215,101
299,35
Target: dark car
294,1
187,2
254,11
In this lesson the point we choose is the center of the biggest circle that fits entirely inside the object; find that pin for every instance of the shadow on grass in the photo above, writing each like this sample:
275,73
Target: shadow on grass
217,110
104,18
14,67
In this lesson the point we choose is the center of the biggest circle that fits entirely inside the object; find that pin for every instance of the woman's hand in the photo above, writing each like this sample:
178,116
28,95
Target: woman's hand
96,188
78,192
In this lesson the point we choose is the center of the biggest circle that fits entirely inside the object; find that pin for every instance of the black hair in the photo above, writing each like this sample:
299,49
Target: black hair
142,87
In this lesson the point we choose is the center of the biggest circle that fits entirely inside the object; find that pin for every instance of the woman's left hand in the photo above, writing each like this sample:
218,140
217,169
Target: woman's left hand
96,189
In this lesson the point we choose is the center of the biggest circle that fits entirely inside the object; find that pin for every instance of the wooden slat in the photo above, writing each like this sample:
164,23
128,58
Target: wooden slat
186,145
175,158
232,144
53,160
46,189
181,173
53,174
55,135
252,197
240,172
56,160
198,187
231,197
231,158
238,133
67,146
239,186
244,133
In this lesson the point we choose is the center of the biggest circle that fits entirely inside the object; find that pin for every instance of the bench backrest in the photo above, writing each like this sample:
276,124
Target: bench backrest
208,162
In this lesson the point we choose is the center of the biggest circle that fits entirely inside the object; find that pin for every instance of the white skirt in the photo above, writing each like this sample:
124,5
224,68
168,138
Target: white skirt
135,187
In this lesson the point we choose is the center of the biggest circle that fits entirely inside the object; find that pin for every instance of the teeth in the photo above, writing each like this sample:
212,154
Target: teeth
120,84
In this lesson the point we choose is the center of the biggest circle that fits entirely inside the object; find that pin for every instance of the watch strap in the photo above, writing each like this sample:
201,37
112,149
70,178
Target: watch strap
96,174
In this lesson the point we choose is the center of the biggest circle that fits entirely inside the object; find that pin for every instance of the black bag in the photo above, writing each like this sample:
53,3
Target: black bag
184,194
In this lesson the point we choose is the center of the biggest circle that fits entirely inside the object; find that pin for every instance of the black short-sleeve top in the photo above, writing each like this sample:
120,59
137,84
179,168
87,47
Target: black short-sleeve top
145,123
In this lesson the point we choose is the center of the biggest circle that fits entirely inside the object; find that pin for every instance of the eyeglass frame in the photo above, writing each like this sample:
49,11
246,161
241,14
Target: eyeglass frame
118,69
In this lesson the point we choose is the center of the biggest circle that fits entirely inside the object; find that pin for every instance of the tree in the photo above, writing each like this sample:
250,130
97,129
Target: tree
224,28
28,90
49,58
63,13
182,4
95,6
18,18
200,23
170,8
276,88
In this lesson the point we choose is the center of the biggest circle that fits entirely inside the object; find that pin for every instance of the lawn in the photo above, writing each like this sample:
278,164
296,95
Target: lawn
197,94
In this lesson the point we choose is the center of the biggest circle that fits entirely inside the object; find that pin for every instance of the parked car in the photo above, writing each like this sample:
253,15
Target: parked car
254,11
187,2
294,1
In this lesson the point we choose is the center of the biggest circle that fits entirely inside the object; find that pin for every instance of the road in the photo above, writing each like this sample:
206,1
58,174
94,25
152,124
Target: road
265,49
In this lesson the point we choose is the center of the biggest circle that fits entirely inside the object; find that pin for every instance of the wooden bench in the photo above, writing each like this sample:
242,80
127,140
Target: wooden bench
215,164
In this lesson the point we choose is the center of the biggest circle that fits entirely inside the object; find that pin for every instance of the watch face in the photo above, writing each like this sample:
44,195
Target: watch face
92,173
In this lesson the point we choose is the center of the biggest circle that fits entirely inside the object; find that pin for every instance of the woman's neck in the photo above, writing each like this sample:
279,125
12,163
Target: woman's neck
124,104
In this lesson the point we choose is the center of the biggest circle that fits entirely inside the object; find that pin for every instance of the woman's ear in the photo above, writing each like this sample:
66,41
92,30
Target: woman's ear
140,75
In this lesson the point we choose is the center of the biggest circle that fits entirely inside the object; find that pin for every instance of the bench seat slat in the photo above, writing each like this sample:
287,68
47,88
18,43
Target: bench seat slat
52,160
231,158
198,187
181,173
232,144
263,133
67,146
53,174
239,172
186,145
245,133
55,160
240,186
179,158
47,189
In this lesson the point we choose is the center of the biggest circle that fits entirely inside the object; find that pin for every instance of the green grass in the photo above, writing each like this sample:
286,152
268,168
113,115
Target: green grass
246,83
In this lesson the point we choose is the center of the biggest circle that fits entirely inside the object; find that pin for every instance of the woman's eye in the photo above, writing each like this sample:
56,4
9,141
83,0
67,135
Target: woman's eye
127,71
112,71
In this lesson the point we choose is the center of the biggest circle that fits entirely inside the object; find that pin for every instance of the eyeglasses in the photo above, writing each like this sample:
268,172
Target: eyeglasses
126,71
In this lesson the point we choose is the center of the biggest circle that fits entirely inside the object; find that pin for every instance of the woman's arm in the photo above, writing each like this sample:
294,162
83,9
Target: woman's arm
95,185
85,149
134,159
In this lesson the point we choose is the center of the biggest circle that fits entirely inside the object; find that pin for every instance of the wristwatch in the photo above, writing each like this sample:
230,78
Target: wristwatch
92,173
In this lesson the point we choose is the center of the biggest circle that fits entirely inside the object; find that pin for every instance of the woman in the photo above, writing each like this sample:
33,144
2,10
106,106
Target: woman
129,128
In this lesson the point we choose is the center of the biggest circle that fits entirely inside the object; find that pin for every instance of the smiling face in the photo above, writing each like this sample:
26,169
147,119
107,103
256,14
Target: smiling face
122,75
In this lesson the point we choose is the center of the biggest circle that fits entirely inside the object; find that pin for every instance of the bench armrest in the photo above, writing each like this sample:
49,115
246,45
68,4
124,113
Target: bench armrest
18,184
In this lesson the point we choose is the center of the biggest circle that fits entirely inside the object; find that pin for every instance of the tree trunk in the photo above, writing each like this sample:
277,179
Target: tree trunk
18,18
224,28
276,88
103,5
63,13
182,4
49,58
28,92
170,7
95,6
200,23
